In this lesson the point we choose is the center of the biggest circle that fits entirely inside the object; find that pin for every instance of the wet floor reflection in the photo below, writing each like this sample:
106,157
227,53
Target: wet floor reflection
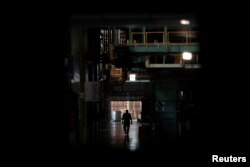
132,137
116,138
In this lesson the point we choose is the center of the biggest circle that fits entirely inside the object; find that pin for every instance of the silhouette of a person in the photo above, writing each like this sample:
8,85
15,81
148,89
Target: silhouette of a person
126,120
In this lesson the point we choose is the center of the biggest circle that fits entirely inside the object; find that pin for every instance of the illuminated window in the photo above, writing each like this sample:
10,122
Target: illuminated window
132,77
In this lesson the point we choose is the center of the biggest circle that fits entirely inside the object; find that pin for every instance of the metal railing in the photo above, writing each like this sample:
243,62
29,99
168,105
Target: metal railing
164,38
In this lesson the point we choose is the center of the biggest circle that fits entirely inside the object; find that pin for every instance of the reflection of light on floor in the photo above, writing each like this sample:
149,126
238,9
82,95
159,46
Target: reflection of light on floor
133,143
120,140
115,133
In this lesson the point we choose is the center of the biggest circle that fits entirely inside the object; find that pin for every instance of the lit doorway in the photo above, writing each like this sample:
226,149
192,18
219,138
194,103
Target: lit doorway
117,108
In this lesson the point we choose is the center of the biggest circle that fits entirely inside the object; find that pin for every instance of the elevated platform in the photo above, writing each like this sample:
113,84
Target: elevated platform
164,48
186,66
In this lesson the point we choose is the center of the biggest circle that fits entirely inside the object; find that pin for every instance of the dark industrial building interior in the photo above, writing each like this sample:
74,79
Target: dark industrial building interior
155,65
133,62
167,69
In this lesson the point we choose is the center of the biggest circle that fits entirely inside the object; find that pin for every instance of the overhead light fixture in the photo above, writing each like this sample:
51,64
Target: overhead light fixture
186,55
185,22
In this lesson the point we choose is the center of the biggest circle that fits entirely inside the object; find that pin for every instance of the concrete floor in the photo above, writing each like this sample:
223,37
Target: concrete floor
114,136
111,146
